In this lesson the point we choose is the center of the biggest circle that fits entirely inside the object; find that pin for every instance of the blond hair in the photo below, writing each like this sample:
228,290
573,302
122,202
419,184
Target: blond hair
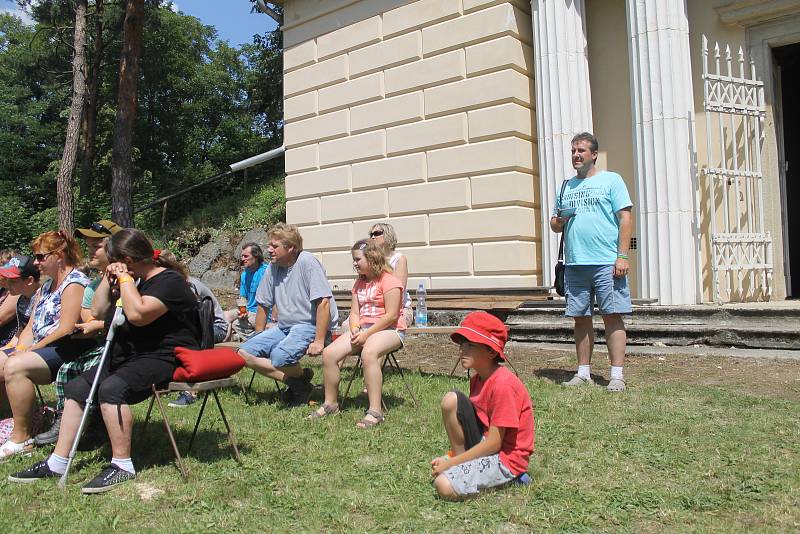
373,253
288,234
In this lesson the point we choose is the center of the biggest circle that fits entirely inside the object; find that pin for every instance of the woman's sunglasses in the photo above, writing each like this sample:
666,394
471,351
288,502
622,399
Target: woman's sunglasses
41,257
376,233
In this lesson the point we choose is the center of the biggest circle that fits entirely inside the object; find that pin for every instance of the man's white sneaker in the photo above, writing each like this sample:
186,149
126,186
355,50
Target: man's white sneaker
616,385
578,381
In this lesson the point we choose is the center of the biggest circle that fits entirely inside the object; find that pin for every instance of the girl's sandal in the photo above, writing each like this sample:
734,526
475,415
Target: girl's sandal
366,423
326,410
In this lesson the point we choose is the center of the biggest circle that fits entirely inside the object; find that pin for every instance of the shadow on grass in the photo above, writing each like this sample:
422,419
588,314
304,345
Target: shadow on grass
562,375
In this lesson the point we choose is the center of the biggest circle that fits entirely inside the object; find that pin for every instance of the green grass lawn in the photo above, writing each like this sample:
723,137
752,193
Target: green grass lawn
661,457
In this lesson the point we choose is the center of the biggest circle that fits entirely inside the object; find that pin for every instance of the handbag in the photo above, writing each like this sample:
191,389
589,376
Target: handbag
560,267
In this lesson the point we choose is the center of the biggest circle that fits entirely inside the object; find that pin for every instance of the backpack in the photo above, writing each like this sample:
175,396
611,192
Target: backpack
205,310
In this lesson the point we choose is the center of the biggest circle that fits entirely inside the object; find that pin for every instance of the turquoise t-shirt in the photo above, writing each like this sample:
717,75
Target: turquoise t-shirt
88,293
248,285
592,235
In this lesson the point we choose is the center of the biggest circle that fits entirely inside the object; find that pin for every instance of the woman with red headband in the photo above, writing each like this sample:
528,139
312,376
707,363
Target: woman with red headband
161,314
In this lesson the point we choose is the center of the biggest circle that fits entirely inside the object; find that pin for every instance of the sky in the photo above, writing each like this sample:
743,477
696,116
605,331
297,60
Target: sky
231,18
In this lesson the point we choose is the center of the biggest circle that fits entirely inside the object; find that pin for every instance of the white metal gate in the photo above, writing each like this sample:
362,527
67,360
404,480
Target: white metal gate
741,248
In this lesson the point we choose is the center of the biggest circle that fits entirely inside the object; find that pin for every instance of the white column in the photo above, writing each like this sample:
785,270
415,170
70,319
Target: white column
563,103
663,137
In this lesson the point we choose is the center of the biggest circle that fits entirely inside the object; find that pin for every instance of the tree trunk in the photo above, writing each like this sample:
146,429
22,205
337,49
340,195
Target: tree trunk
90,115
64,179
121,178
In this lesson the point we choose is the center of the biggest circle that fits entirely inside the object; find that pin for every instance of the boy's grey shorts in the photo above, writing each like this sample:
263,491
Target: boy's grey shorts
479,474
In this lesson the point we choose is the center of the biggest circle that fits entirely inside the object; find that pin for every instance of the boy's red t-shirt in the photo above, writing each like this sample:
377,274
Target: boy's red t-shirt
503,401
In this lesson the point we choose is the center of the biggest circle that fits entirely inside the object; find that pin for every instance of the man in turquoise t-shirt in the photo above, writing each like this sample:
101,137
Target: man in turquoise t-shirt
594,210
253,269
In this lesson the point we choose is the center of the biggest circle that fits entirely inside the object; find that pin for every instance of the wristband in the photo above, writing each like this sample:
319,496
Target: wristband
125,278
20,348
622,256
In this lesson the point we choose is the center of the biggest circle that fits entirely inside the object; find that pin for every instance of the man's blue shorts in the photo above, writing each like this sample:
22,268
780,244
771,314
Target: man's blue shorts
284,346
585,283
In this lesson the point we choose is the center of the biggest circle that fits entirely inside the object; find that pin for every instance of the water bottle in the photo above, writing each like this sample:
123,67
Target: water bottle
421,320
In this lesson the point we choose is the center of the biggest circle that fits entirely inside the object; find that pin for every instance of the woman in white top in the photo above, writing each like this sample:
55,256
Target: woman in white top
383,234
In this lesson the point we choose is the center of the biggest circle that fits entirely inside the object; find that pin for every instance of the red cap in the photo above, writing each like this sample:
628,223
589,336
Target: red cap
484,328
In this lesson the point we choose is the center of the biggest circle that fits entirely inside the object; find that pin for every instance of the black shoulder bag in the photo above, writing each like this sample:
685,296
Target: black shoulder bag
559,280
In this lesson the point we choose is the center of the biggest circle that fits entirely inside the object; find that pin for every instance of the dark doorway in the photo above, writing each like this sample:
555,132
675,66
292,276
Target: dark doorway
787,59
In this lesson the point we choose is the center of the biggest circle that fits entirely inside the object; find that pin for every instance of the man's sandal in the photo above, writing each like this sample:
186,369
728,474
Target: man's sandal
324,411
366,423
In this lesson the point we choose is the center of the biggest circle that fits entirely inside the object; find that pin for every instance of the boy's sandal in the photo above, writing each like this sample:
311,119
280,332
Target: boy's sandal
366,423
324,411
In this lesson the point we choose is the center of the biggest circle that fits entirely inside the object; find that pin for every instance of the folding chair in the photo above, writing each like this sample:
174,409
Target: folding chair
210,386
389,359
245,389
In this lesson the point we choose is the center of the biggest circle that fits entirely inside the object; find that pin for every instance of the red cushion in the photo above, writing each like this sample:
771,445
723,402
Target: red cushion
209,364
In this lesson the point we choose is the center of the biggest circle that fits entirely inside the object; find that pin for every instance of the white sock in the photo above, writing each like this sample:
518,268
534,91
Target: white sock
584,371
57,464
124,463
616,372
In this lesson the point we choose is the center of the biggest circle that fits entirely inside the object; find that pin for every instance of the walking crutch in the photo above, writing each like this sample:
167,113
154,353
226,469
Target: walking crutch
118,320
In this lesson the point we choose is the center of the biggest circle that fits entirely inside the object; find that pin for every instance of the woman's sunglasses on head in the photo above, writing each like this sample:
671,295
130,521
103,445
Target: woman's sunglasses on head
376,233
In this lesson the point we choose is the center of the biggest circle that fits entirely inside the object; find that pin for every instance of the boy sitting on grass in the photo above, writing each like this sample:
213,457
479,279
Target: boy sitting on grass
491,432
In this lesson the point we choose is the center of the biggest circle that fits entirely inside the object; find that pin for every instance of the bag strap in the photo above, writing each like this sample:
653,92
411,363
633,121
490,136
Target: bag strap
564,231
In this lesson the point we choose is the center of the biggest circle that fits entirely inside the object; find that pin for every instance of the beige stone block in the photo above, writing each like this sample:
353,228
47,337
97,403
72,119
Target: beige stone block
338,264
341,284
474,5
352,92
299,56
516,188
435,133
352,149
300,107
486,282
391,171
481,91
503,19
493,224
388,112
302,211
507,52
386,54
441,260
300,159
434,71
352,36
327,237
314,76
316,129
508,257
447,195
347,207
323,182
410,231
507,154
420,13
500,121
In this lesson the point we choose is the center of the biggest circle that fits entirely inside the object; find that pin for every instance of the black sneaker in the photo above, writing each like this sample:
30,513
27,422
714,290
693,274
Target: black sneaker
110,477
35,472
51,435
300,388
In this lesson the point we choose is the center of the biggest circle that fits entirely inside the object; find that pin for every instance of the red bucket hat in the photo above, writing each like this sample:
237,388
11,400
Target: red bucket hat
484,328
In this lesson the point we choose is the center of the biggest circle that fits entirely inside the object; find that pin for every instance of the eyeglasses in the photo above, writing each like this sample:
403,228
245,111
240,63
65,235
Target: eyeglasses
376,233
99,228
41,257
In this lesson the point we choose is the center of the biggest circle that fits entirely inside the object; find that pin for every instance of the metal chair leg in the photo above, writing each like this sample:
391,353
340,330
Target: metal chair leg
197,422
147,417
184,472
350,382
393,362
227,426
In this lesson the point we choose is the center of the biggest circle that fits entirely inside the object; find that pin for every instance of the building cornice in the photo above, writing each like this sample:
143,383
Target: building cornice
750,12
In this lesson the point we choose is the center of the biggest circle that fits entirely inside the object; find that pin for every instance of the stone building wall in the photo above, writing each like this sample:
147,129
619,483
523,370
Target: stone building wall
419,113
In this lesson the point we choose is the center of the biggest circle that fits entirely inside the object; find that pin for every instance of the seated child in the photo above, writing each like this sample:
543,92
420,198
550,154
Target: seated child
491,432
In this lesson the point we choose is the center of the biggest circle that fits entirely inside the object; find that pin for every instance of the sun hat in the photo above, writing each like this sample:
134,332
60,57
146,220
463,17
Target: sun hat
484,328
102,228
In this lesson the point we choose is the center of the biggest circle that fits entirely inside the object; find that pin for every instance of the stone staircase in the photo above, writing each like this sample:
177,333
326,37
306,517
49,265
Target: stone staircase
758,326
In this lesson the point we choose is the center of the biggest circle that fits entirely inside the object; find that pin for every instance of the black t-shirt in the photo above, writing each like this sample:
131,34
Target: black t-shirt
179,327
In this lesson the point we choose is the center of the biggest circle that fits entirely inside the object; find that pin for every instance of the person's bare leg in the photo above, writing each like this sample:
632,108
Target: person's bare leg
22,371
332,356
584,339
119,422
70,421
455,433
375,348
616,338
262,366
445,490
